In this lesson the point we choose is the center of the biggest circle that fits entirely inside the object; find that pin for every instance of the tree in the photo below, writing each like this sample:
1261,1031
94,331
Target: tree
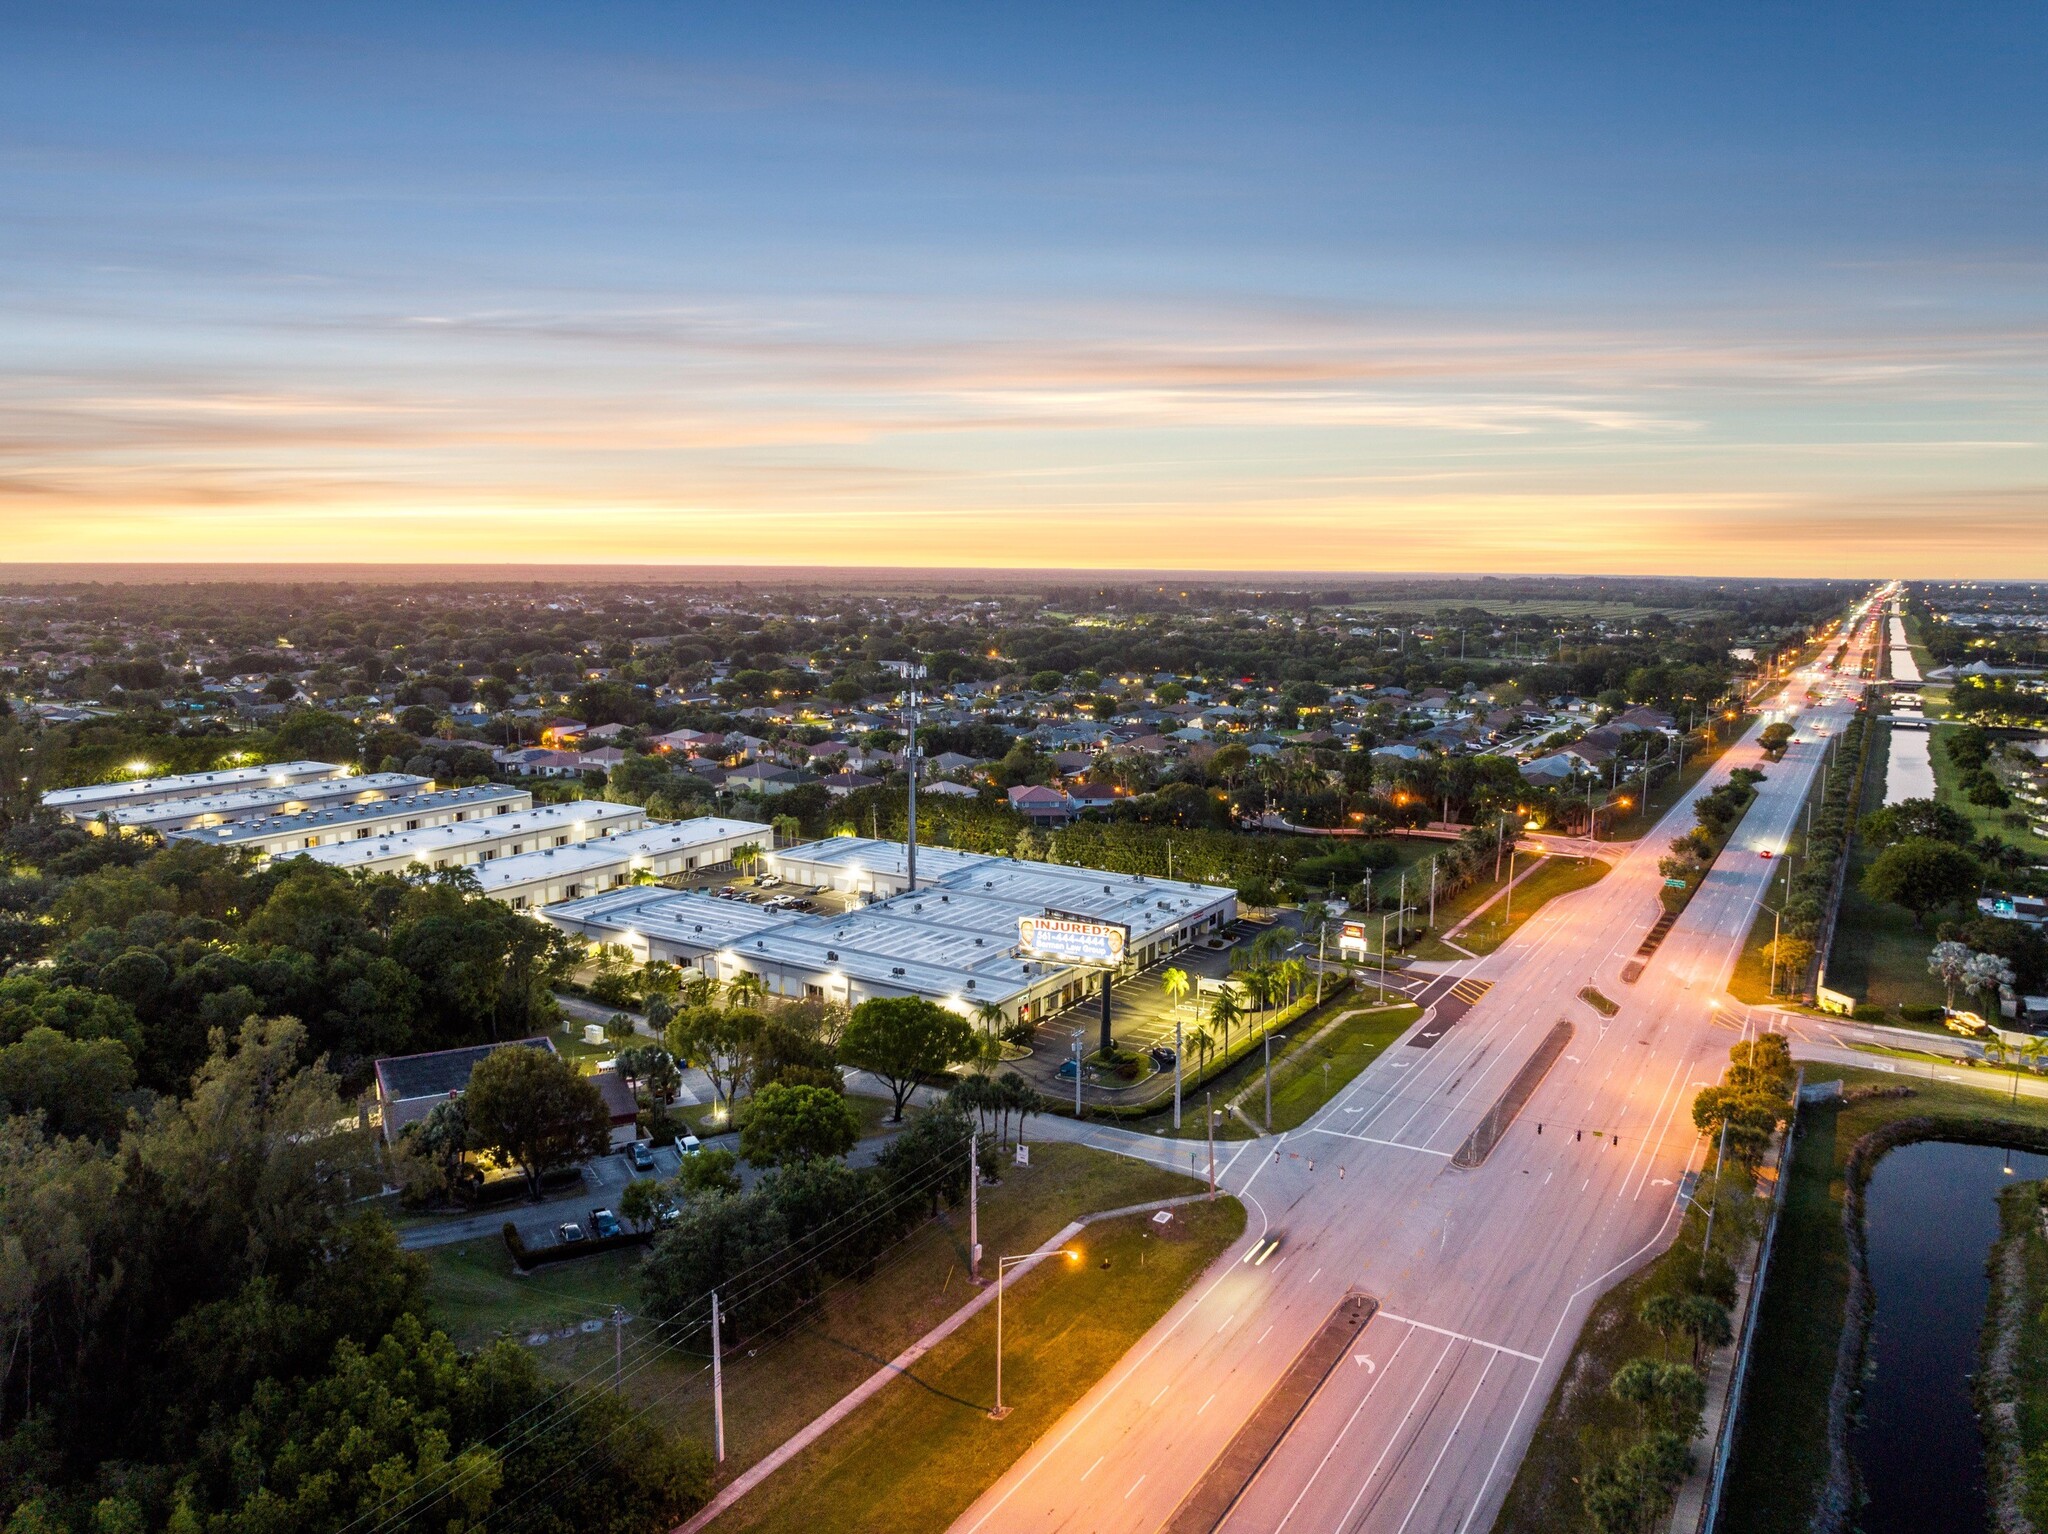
1774,738
1224,1010
78,1086
640,1202
715,1041
709,1173
902,1040
1917,817
531,1107
1201,1042
1664,1395
653,1070
792,1124
1950,964
1174,981
746,988
1663,1314
1988,976
310,734
1922,875
1705,1321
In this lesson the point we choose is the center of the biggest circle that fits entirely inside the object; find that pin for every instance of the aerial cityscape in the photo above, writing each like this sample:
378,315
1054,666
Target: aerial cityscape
1164,771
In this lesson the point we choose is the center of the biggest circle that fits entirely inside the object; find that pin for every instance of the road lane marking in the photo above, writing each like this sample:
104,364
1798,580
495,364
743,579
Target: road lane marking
1343,1134
1162,1391
1444,1331
1452,1438
1098,1461
1227,1320
1140,1481
1199,1409
1264,1335
1393,1438
1349,1423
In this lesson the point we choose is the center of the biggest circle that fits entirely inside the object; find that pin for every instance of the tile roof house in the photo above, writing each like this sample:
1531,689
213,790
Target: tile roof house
1042,806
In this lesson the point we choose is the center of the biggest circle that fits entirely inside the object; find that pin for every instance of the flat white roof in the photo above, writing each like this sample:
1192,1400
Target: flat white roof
185,785
253,802
397,808
428,840
622,849
954,939
1146,905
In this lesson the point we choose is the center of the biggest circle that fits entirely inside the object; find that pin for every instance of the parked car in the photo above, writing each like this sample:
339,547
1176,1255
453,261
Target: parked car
642,1156
604,1224
1068,1070
687,1145
1162,1056
569,1232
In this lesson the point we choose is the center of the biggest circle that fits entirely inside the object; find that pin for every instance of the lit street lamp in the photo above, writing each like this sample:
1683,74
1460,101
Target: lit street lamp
1000,1411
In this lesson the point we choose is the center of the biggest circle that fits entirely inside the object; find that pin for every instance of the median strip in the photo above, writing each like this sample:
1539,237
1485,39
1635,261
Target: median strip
1218,1491
1480,1143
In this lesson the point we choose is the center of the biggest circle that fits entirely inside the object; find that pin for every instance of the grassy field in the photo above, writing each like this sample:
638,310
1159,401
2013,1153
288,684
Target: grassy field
1555,876
1781,1453
775,1386
918,1454
2019,1216
1539,886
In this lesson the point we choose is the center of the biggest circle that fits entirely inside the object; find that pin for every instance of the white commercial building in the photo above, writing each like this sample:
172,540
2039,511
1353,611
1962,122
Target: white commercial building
84,803
605,862
953,940
257,803
485,840
271,836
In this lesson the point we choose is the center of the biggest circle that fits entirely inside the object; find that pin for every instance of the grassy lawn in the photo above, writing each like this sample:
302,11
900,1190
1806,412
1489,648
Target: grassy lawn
921,1451
1557,876
1300,1086
1781,1453
772,1391
2019,1212
1988,822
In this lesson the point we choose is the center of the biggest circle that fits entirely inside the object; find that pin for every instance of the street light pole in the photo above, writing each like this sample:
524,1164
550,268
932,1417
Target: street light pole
1000,1411
1176,1073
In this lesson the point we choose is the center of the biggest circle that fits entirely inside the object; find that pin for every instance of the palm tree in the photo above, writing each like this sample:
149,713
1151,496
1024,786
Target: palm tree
992,1017
1261,984
1174,981
1201,1043
1225,1010
1294,972
745,988
746,855
697,989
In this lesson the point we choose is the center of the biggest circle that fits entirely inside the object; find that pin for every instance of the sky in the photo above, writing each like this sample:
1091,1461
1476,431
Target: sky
1706,289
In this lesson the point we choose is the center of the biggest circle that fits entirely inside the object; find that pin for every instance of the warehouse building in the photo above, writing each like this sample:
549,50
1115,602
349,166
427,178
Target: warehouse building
258,803
473,841
270,836
953,940
536,879
89,801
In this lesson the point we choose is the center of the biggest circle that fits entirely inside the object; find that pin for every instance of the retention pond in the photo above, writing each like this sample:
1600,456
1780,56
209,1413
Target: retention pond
1931,1215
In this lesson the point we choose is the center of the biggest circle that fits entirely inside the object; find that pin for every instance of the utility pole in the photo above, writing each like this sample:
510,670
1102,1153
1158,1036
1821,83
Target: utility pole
717,1385
1432,891
618,1346
1077,1074
973,1210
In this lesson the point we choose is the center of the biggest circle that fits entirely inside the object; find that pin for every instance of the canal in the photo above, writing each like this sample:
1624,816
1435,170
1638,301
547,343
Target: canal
1931,1215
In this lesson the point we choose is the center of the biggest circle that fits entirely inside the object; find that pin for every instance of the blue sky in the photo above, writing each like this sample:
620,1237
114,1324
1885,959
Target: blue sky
1611,288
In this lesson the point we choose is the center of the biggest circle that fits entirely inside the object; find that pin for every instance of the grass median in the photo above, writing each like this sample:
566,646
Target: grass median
1301,1085
774,1387
919,1453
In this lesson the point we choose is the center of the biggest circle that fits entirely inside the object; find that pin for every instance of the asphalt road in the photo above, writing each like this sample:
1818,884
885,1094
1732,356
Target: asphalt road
1483,1277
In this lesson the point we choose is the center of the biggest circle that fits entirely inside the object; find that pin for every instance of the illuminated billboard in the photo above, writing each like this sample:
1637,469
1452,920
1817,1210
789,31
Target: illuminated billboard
1061,939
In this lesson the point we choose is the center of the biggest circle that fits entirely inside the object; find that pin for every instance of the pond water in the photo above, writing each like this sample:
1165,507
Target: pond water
1931,1213
1908,771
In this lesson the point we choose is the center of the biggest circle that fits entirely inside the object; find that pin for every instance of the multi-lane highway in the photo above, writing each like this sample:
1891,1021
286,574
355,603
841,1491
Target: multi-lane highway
1482,1277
